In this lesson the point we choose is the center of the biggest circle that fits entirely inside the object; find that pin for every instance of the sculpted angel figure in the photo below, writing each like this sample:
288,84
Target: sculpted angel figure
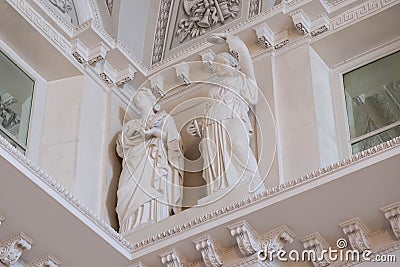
226,129
150,184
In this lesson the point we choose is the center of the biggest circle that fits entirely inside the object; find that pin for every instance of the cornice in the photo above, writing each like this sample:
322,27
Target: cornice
344,19
290,185
58,188
41,25
359,12
271,192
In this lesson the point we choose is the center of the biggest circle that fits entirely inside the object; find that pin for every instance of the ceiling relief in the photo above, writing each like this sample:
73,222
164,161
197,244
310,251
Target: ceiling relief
67,8
200,15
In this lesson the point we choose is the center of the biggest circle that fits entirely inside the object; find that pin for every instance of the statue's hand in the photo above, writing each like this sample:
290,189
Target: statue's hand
155,131
194,128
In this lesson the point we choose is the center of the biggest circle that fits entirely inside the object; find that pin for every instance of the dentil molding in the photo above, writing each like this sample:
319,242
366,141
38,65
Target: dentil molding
273,191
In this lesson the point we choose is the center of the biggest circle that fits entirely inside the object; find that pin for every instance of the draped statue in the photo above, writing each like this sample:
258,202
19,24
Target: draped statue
150,185
226,129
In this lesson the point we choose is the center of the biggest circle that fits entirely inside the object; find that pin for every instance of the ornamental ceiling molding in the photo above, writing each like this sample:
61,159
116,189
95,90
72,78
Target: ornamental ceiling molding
46,261
213,254
64,46
274,191
164,16
362,11
12,248
41,25
59,189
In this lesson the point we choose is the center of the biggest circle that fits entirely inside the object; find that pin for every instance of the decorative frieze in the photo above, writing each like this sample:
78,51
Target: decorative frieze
173,258
211,251
46,261
199,16
255,7
11,249
315,242
392,213
246,237
304,25
357,233
182,73
161,30
89,55
355,14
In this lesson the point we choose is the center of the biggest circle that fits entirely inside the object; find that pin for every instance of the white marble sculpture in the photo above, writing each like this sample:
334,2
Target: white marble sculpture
228,158
150,185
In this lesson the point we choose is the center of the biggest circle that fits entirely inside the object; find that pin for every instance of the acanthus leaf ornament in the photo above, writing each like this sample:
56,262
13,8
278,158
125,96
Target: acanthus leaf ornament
392,213
200,15
276,239
173,258
315,242
46,261
246,237
357,233
211,251
11,249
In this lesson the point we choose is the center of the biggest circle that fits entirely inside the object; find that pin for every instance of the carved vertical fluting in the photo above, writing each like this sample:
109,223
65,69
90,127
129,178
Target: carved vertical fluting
246,237
211,251
11,249
392,213
357,233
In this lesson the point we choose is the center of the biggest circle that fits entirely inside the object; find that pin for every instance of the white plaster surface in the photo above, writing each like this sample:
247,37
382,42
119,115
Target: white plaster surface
295,111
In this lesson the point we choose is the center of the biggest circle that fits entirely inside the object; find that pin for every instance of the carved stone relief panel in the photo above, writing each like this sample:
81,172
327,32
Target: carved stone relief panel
198,17
67,8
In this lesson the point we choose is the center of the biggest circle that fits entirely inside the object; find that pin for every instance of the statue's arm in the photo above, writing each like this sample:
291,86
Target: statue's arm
238,46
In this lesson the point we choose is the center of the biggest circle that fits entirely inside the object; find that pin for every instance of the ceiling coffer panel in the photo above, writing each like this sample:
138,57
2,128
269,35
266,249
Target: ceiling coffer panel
181,23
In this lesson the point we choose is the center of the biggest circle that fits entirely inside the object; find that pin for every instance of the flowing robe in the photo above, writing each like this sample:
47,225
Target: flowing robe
150,184
228,158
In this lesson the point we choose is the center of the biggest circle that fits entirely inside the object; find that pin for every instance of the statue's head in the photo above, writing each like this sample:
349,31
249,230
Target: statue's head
144,99
226,64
